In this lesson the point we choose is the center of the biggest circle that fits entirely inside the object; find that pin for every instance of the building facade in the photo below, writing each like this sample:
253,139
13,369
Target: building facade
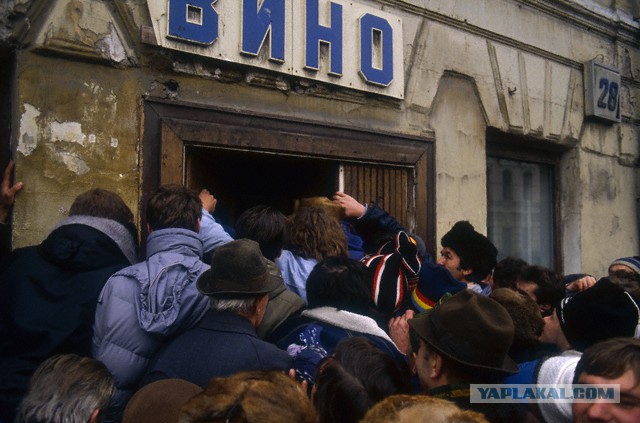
520,116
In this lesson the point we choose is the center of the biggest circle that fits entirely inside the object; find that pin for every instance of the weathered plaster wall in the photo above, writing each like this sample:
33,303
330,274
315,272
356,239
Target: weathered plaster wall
457,118
77,130
531,83
509,64
608,191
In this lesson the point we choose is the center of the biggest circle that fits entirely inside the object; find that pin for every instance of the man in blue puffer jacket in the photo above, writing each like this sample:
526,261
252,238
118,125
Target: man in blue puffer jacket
144,305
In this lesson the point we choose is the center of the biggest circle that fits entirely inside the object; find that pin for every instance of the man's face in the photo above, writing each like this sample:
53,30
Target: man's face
551,329
553,333
529,288
627,411
449,259
423,366
616,267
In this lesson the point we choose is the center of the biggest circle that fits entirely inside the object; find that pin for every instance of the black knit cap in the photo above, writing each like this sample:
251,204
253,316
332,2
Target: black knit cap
474,249
601,312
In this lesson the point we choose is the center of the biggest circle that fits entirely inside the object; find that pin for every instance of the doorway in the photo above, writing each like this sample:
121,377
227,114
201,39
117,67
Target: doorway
242,179
247,159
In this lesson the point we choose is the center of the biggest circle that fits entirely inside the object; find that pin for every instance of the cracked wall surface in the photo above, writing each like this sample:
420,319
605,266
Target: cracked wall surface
84,68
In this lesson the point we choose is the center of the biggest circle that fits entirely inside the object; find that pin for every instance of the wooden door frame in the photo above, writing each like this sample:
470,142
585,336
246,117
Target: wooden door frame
169,125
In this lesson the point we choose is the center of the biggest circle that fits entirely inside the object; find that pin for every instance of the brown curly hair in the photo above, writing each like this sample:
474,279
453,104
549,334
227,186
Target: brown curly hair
313,233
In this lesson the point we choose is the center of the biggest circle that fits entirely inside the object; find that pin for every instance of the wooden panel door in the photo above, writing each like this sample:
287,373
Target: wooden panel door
391,187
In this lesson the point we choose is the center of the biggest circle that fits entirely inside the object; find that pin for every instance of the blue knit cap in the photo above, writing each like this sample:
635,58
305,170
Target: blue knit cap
631,262
433,283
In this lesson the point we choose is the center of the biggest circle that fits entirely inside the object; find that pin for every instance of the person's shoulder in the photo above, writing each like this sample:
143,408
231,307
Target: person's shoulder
127,279
133,272
285,256
287,299
558,369
24,256
272,353
266,347
289,329
386,346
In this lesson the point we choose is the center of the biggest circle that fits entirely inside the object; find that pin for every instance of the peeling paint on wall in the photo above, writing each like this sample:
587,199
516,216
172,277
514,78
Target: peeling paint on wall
28,140
98,103
74,163
67,131
112,46
93,87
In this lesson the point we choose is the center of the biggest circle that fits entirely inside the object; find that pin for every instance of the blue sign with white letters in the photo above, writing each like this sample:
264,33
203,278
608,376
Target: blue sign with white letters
363,44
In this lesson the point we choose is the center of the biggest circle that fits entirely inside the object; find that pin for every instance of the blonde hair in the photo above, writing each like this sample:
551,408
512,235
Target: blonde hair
414,408
334,209
250,397
314,234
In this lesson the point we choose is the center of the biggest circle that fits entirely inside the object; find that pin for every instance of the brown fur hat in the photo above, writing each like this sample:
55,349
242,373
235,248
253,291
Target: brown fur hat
159,402
525,314
414,408
250,397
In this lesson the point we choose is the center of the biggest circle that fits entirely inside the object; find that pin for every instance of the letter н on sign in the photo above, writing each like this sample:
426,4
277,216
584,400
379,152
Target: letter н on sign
333,41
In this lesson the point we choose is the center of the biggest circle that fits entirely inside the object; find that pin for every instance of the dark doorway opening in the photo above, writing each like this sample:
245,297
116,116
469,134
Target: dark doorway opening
6,154
249,159
240,179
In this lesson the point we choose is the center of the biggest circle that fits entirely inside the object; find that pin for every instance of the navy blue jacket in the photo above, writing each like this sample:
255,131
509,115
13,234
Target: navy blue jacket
219,345
319,338
48,296
376,227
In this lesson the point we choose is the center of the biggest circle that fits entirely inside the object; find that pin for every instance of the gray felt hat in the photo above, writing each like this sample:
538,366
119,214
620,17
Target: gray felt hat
238,269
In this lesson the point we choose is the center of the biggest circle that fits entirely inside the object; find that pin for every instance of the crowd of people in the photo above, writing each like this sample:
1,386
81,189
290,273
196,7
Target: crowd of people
334,314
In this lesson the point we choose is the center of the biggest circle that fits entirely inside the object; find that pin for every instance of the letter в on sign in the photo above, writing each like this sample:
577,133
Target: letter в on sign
258,22
194,21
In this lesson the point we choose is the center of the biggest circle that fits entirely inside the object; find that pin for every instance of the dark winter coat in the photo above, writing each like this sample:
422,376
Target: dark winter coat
48,296
221,344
